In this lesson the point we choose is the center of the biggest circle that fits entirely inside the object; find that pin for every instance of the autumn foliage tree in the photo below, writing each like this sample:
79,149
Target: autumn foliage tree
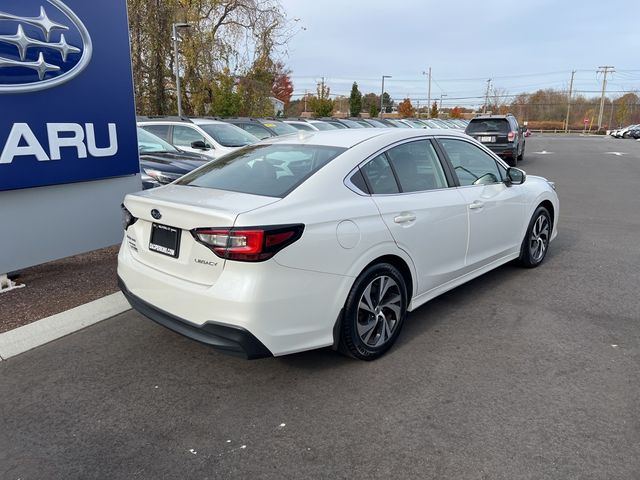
455,112
433,113
243,36
282,85
405,109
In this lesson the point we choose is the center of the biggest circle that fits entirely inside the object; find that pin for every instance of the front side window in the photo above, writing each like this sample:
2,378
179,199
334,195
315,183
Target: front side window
472,165
417,166
185,136
267,170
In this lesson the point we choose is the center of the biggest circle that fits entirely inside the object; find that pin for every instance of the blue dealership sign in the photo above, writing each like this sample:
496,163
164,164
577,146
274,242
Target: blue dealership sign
66,92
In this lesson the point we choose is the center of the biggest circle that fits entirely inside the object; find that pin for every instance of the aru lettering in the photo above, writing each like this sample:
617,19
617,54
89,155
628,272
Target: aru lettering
79,140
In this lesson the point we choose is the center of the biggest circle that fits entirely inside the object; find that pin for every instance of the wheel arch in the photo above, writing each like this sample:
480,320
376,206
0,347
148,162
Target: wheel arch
550,208
397,261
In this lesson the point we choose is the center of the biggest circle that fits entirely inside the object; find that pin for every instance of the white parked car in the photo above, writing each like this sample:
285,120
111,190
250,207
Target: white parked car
209,137
327,238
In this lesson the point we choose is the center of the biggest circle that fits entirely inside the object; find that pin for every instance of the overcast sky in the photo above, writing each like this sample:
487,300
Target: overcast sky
522,46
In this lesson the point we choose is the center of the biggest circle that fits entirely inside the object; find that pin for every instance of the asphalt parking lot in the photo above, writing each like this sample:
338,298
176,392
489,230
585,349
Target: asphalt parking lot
520,374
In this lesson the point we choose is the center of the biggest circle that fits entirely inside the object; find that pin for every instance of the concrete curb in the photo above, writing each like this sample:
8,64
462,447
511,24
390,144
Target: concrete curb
23,339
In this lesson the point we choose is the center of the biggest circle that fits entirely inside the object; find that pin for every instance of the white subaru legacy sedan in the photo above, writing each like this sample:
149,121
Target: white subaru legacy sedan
327,238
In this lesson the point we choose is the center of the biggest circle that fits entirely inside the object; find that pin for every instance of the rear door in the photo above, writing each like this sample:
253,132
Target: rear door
427,218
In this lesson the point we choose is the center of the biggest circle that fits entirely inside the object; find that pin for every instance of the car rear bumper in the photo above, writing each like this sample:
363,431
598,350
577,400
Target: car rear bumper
285,310
505,150
232,340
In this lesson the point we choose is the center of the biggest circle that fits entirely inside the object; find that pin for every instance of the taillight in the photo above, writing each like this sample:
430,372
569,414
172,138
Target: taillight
127,218
511,136
248,244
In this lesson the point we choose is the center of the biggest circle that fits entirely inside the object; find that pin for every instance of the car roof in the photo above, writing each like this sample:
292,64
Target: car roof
487,117
347,138
205,121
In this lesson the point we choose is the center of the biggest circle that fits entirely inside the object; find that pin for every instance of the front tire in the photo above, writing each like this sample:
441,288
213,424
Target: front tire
374,312
521,156
536,241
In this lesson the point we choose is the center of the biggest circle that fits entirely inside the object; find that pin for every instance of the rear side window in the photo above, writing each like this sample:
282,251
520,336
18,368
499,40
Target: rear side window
417,166
497,125
161,131
379,176
267,170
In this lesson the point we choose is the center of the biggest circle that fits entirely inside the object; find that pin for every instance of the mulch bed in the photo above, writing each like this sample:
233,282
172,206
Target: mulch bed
58,286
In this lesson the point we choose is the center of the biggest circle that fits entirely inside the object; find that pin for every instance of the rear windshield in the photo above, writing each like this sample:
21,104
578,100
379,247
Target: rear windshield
498,125
228,135
268,170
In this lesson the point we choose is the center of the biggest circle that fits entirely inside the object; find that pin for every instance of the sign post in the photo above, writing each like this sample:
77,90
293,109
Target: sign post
68,145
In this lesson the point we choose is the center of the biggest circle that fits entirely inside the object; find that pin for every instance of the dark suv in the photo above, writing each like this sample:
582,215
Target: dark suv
501,134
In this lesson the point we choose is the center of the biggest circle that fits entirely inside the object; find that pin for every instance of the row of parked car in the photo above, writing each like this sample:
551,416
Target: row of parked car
170,147
631,131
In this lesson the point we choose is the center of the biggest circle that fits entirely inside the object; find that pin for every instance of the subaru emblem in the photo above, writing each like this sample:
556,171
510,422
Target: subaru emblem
156,214
43,44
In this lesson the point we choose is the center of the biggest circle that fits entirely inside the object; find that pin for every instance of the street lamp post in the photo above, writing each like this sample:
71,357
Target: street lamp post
382,95
442,95
176,26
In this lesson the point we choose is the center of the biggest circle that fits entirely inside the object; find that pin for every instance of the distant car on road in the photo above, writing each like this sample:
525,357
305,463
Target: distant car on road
328,238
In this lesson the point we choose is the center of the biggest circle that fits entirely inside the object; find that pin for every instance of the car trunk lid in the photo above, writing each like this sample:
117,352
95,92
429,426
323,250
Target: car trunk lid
161,237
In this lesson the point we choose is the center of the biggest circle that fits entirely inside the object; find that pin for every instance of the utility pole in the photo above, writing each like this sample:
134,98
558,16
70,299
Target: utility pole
566,122
605,70
486,97
306,94
429,93
382,96
610,115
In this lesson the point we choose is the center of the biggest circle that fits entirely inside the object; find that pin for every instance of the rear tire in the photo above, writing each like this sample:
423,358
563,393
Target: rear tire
536,241
374,312
521,156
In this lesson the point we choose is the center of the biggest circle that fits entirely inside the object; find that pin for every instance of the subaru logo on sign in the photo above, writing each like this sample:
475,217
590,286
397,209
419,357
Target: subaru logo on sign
42,46
156,214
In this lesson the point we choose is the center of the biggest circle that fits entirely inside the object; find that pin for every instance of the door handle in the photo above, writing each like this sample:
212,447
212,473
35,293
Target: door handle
405,217
477,205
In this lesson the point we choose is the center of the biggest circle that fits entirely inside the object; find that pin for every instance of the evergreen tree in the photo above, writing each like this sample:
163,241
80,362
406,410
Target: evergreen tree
355,101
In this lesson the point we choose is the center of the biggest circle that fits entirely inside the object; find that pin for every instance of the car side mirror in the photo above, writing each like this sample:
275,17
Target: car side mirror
515,176
200,145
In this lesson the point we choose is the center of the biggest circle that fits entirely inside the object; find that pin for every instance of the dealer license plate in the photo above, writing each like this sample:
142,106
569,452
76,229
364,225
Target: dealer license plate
165,240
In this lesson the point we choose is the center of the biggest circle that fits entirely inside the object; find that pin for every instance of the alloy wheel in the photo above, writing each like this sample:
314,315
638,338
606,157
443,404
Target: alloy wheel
539,240
379,311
